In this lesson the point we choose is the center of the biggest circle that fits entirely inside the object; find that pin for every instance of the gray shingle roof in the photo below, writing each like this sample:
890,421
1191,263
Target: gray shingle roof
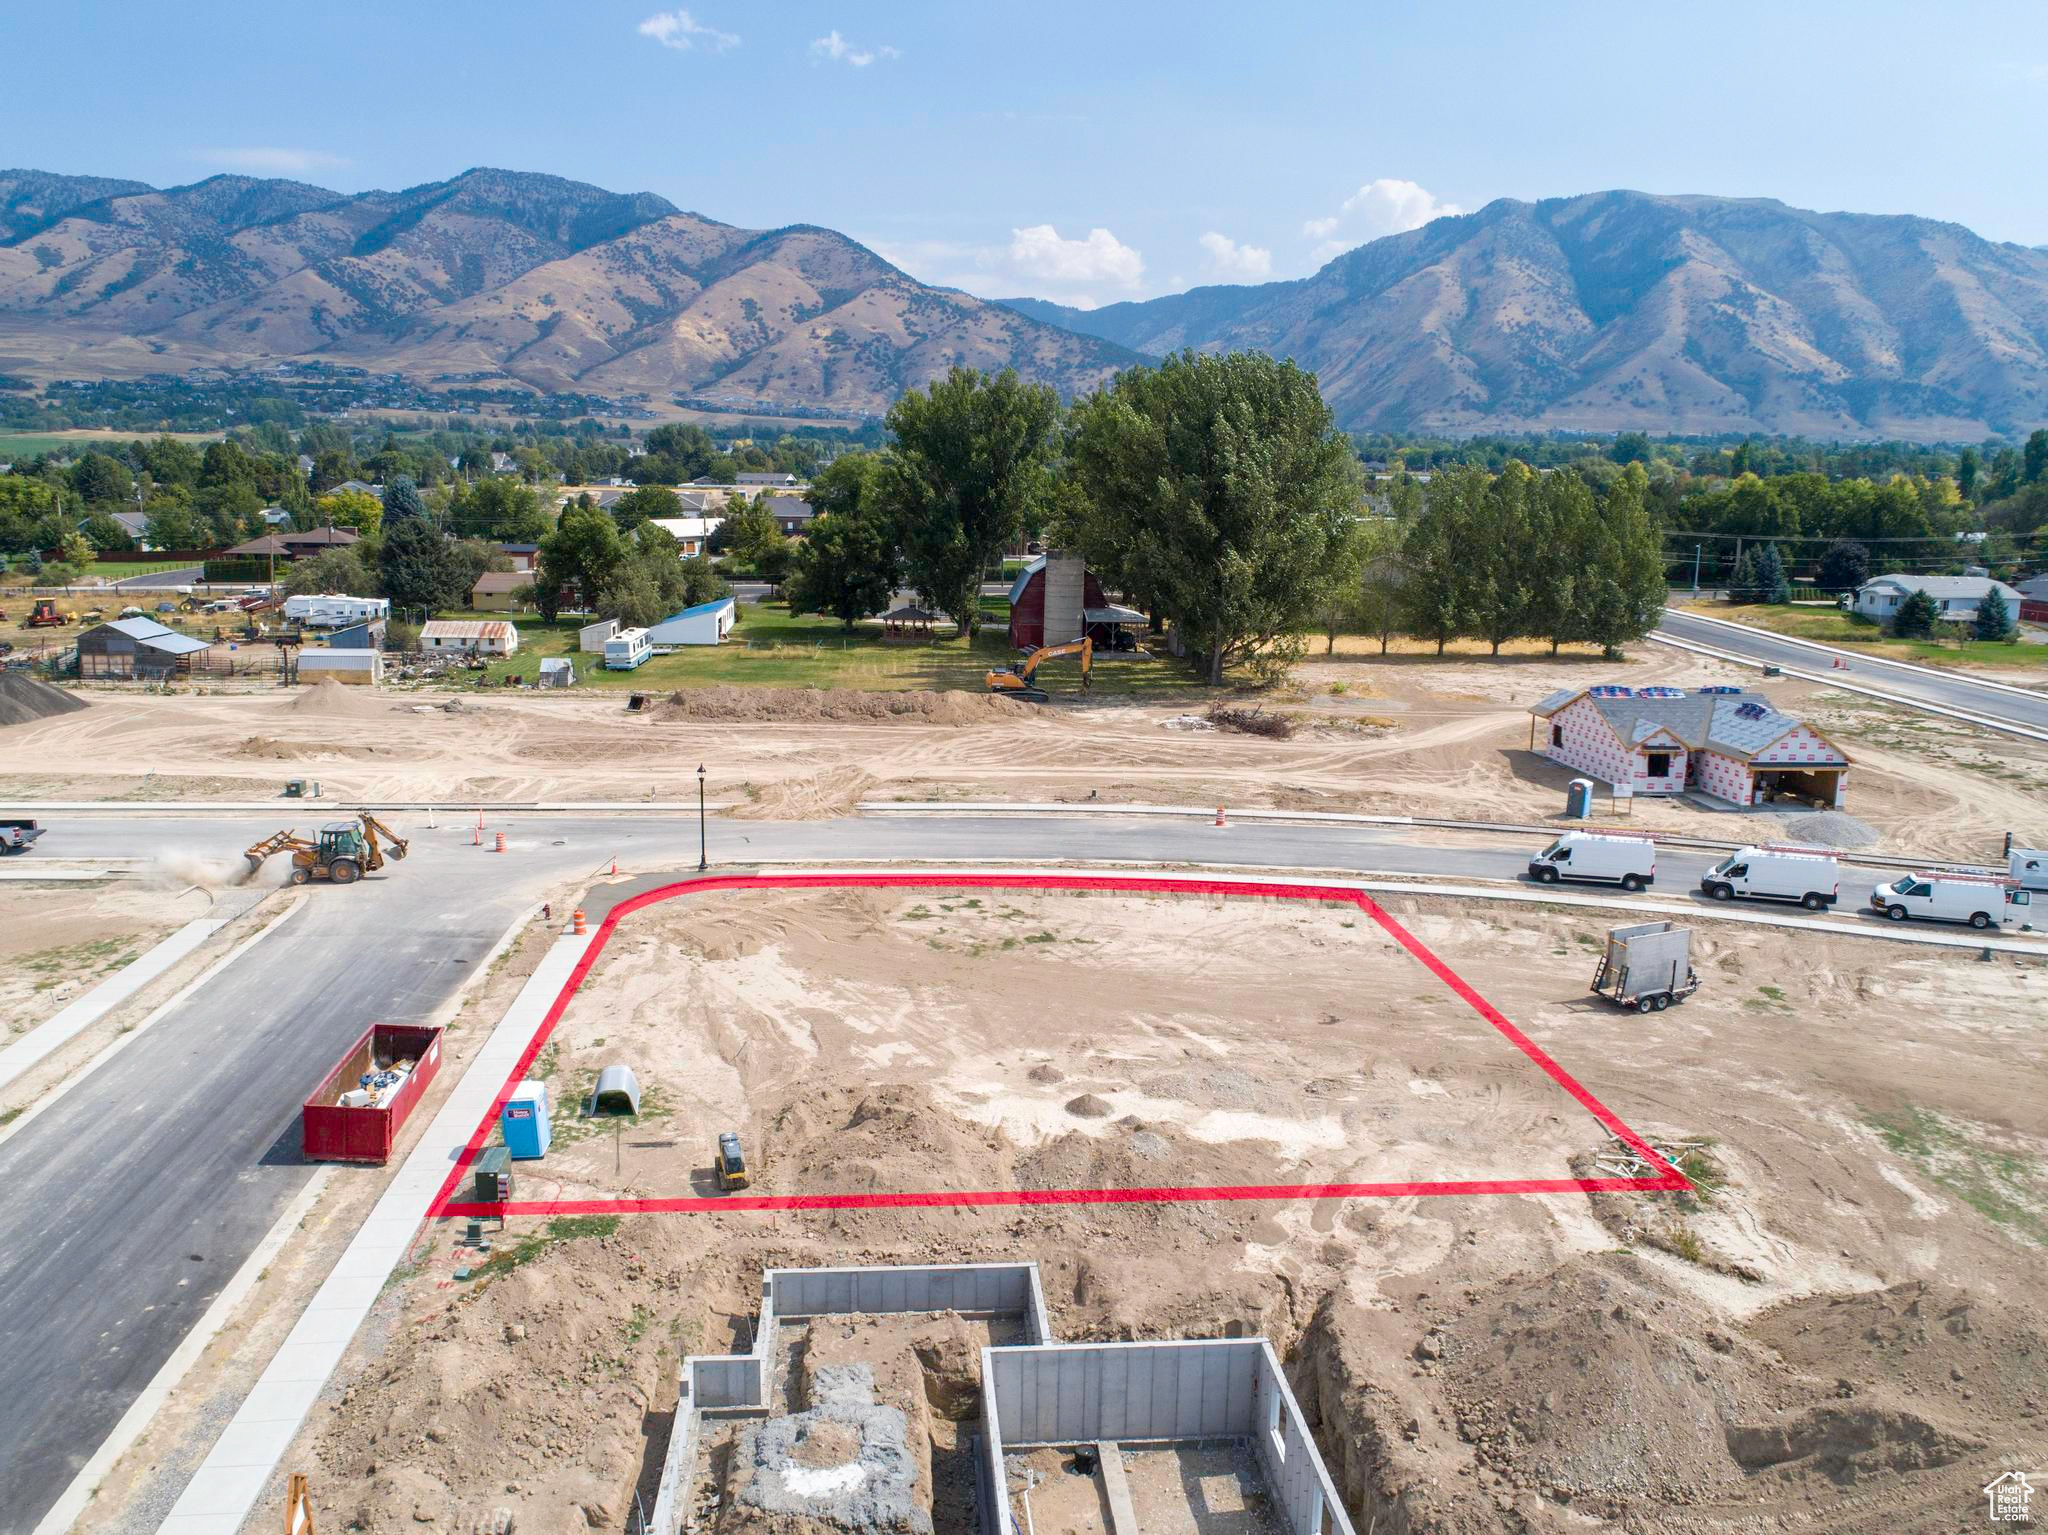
1968,587
1735,723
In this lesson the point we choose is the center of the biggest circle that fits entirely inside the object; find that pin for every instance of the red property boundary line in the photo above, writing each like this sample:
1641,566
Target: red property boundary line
444,1205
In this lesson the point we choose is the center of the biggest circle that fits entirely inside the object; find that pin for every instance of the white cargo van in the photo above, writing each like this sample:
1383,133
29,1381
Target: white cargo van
1776,874
627,650
1630,862
2028,865
1982,900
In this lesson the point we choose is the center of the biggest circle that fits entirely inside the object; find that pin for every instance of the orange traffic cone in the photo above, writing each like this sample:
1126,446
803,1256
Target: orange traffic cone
1219,816
500,847
576,925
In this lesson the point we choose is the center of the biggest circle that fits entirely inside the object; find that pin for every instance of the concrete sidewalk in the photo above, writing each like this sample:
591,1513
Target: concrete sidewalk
233,1476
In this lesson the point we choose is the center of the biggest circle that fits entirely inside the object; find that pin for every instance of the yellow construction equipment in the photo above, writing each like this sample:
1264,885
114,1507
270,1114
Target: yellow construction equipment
344,853
1016,681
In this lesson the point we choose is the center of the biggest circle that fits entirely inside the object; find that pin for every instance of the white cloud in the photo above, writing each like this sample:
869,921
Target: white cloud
273,160
1245,263
1038,263
838,50
1100,258
682,31
1388,206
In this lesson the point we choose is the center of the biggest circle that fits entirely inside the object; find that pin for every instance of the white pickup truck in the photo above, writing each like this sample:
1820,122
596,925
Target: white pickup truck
16,834
1982,900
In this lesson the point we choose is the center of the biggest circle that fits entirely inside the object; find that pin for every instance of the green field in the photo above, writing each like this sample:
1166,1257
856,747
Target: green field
28,444
1826,626
771,648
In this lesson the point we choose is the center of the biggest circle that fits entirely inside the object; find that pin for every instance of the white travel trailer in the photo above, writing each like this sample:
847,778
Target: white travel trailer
1598,858
627,650
1811,878
1982,900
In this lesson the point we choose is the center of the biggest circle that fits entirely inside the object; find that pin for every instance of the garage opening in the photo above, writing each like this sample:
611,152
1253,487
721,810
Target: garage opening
1814,786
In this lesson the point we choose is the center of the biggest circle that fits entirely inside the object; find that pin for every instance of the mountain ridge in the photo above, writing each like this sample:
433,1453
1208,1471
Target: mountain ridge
1622,309
531,279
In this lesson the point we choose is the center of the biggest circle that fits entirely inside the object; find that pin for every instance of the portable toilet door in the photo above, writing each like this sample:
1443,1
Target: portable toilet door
524,1119
1578,799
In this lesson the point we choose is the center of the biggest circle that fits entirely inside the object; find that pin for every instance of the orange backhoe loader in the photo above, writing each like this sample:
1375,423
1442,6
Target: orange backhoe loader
1018,681
344,853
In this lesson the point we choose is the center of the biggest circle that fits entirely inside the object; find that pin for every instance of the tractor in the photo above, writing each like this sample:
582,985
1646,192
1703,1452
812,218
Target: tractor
344,852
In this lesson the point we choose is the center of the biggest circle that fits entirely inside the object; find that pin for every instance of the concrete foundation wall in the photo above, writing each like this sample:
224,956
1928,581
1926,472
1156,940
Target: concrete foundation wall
1076,1393
989,1288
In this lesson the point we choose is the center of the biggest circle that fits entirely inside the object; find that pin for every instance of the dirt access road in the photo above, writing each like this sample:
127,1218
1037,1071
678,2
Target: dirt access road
1842,1329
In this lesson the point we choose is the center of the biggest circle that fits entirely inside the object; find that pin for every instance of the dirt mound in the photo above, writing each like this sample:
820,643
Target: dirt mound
334,700
841,704
267,749
1088,1106
1830,828
24,699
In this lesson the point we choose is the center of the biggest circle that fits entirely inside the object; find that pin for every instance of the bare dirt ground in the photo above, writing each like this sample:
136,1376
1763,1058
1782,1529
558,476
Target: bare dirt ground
57,942
1843,1329
1407,734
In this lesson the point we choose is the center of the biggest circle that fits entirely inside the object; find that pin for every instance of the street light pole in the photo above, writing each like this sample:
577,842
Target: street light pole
703,854
1695,570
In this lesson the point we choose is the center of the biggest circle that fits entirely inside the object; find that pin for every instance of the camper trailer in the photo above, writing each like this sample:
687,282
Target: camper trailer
627,650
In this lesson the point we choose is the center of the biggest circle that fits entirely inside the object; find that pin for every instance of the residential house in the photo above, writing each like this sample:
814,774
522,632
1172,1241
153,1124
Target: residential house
276,516
522,556
362,485
135,525
471,636
756,479
692,534
293,544
1723,741
1955,597
791,513
497,591
504,463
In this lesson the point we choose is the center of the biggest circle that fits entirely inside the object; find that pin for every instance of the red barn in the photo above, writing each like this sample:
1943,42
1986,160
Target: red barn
1049,601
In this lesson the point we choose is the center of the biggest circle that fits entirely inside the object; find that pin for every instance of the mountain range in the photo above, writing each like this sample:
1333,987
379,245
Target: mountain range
1622,310
494,275
1600,312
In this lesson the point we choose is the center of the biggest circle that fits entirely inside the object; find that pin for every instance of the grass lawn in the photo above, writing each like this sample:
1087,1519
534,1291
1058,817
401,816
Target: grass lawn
771,648
1826,626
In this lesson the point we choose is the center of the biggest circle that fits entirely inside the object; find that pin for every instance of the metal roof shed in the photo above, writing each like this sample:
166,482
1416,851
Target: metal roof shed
707,623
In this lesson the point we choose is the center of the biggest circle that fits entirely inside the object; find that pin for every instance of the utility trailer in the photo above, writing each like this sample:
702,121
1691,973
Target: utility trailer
1647,966
354,1115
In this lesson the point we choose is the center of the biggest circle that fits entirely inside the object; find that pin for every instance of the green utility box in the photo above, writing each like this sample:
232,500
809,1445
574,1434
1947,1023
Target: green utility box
494,1176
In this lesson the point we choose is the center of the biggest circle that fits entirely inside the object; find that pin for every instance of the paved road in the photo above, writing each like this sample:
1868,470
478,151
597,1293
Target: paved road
162,580
1943,691
126,1206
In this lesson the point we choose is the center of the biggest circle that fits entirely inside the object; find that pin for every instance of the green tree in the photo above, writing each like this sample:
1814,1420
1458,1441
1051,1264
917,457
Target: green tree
1375,605
583,554
1500,592
639,504
402,499
1436,556
1844,566
76,550
849,567
1623,594
1994,618
1966,473
105,533
174,525
503,509
339,571
96,478
2034,457
1225,482
417,568
1562,527
1916,616
356,509
750,534
968,471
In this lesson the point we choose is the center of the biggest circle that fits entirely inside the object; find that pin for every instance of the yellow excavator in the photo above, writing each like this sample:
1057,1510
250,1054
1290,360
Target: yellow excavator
1017,681
344,853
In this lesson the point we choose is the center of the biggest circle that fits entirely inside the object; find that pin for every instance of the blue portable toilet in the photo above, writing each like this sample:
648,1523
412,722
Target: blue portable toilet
1578,799
524,1119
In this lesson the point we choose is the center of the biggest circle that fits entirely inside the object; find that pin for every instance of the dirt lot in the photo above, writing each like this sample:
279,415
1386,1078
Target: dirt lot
57,942
1406,734
1843,1329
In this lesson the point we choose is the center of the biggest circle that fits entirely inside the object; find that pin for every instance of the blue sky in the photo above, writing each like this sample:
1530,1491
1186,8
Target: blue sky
1083,152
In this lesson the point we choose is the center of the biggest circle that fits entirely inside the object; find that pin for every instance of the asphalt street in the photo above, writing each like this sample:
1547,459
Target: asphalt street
1940,690
129,1203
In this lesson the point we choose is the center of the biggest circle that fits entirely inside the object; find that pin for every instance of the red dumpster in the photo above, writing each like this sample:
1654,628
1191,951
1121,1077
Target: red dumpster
347,1120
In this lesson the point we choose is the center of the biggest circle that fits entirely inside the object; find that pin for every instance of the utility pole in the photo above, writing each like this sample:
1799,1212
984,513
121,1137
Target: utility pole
1695,570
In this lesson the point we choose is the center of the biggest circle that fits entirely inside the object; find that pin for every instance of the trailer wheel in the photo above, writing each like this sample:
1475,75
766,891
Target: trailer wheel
1813,900
1980,920
1662,1000
1896,913
1644,1004
1631,882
